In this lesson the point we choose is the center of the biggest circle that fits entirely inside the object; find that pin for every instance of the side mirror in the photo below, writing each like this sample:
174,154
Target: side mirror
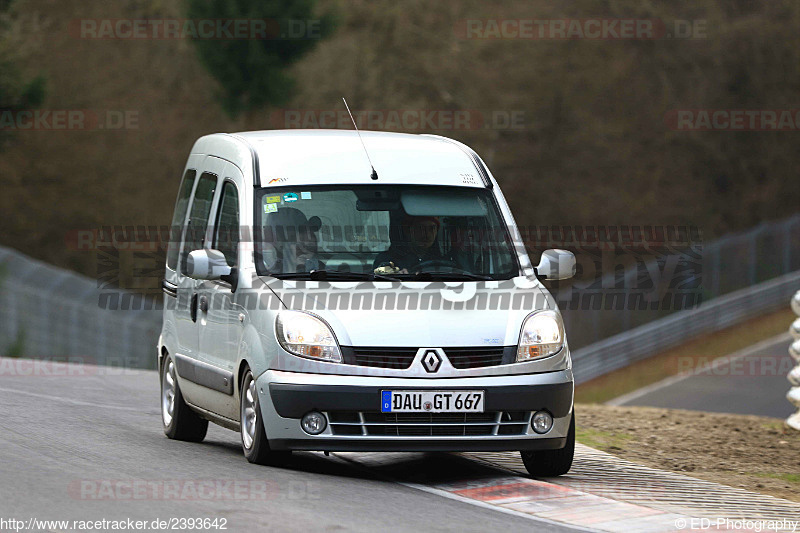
556,264
207,264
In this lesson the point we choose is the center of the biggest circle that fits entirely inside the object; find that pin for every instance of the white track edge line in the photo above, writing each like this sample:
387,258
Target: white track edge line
71,401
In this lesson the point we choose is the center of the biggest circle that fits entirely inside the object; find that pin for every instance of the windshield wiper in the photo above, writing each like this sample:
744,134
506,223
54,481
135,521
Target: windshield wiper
447,276
324,275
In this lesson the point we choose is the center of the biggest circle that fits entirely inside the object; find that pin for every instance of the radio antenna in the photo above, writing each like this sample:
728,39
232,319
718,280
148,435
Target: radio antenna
374,174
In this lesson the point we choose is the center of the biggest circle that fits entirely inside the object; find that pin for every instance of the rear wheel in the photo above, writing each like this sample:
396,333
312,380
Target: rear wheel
550,463
254,438
179,421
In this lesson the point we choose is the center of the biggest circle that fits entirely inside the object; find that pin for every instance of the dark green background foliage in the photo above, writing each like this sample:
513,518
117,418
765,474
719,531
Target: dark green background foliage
15,92
252,71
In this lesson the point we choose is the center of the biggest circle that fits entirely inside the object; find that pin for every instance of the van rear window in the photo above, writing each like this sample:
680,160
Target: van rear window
198,216
178,218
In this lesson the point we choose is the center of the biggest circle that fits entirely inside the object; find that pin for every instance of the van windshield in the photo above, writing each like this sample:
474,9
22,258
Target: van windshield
381,232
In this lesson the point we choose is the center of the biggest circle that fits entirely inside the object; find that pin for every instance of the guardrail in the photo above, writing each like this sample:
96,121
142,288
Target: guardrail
794,375
649,339
49,312
719,267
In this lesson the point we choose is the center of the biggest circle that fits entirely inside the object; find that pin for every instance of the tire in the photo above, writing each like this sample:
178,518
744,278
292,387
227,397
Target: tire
254,439
551,463
178,419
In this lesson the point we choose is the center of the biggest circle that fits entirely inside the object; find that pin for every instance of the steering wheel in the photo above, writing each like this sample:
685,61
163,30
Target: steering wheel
434,263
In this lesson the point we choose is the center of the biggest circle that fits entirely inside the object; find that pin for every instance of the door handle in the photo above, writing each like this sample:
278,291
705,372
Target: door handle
193,308
204,304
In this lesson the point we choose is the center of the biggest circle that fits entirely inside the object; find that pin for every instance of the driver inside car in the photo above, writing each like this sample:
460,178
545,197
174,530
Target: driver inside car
417,245
294,241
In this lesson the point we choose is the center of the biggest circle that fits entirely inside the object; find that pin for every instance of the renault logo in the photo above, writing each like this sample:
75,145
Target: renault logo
431,361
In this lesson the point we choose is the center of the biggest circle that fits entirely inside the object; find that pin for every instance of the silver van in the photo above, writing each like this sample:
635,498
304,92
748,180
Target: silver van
330,293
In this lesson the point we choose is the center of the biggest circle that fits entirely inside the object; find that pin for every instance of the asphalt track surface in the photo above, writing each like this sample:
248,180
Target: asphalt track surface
89,446
750,382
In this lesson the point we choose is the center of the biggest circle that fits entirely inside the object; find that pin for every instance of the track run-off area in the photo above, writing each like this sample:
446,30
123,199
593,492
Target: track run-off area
87,441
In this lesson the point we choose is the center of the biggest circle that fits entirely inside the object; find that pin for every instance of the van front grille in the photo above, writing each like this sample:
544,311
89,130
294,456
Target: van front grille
381,357
476,356
400,358
364,423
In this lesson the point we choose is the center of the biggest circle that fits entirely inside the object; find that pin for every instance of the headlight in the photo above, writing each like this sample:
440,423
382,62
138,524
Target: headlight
307,336
542,335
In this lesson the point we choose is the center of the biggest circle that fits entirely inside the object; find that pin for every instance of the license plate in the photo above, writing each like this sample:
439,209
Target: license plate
410,401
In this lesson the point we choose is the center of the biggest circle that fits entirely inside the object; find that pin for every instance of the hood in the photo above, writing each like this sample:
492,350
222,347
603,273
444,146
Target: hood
419,314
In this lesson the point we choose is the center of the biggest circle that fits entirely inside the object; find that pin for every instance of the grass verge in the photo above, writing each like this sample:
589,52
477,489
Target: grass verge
791,478
751,452
601,440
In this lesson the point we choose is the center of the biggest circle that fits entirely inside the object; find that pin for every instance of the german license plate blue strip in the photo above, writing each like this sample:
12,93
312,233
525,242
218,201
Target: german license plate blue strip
386,401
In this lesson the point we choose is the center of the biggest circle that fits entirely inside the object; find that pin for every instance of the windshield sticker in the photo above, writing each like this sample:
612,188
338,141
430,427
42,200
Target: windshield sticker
270,208
272,199
305,195
290,197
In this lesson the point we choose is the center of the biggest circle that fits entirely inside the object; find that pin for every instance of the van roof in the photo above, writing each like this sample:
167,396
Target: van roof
324,157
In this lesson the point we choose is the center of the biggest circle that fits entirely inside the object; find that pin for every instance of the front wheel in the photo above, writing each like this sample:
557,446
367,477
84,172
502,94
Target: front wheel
178,419
550,463
254,438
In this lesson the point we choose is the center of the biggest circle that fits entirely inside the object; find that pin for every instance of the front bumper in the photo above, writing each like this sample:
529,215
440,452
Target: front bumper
286,396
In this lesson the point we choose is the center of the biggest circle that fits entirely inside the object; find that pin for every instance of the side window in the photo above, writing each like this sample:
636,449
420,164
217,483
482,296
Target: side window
226,236
198,216
176,229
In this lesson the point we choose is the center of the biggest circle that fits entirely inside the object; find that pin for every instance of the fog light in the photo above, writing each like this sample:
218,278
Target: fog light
542,422
314,423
